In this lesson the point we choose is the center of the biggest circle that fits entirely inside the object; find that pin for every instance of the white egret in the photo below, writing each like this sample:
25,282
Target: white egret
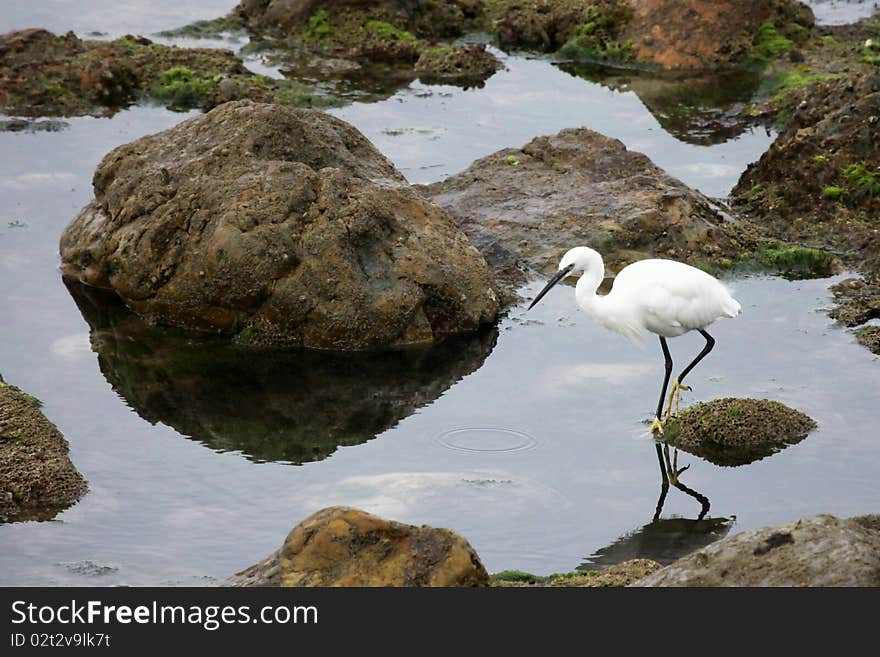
665,297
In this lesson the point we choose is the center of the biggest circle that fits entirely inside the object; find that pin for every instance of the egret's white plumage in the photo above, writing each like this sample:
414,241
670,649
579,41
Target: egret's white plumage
665,297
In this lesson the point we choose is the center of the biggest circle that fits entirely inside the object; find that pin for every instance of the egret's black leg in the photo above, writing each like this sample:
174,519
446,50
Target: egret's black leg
702,499
664,486
710,342
665,378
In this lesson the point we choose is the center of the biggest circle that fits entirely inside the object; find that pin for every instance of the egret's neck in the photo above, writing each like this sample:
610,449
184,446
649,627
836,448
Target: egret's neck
585,293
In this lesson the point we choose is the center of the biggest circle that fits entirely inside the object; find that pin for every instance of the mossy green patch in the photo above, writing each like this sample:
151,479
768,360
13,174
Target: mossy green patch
782,84
597,37
516,576
819,159
389,32
771,44
318,27
833,192
790,261
182,88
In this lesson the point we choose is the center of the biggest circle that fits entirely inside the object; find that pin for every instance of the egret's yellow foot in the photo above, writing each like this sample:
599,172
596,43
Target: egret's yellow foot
674,399
657,426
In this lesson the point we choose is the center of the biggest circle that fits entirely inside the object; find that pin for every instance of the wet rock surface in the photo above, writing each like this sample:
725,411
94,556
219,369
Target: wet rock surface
37,478
42,74
525,207
816,551
293,406
342,546
733,432
279,226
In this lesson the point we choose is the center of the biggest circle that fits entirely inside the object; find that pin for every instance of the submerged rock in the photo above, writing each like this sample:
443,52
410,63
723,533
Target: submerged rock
294,406
37,479
525,207
280,226
341,546
732,432
817,551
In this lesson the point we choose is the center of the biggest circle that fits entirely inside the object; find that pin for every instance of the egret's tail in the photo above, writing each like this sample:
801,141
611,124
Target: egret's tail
732,307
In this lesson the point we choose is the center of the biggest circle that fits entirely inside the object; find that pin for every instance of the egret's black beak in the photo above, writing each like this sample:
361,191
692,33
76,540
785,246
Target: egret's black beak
558,276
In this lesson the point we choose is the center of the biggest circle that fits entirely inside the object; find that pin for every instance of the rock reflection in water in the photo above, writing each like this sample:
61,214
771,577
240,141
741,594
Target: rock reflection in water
701,109
293,406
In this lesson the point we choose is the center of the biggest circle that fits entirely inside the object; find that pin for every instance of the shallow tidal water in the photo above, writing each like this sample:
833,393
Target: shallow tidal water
528,439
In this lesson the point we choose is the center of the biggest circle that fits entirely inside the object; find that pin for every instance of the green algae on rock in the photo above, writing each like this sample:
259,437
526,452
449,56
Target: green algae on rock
621,574
42,74
733,432
37,478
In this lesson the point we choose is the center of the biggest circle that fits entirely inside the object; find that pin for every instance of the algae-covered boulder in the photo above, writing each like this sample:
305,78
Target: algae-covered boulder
732,432
341,546
42,74
818,551
37,479
463,66
280,226
291,405
527,206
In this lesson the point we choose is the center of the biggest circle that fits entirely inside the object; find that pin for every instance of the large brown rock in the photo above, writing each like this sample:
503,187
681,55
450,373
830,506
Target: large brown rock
817,551
37,479
341,546
526,207
281,226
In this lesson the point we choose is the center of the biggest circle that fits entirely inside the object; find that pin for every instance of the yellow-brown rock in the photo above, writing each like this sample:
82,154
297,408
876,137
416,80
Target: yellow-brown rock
342,546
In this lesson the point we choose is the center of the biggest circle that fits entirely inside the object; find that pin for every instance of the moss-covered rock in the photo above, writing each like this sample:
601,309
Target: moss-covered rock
621,574
42,74
459,65
37,479
733,432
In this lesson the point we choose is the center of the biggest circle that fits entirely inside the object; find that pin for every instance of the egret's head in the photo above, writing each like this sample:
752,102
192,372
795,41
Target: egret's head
576,261
579,259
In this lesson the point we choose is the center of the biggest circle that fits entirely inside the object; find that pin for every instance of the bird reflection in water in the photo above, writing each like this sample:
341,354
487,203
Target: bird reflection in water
664,539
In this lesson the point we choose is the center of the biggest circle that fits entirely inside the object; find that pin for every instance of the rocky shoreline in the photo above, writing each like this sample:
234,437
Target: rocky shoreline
266,224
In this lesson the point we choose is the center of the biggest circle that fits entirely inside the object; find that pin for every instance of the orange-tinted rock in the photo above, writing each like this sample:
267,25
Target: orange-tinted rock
342,546
696,34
